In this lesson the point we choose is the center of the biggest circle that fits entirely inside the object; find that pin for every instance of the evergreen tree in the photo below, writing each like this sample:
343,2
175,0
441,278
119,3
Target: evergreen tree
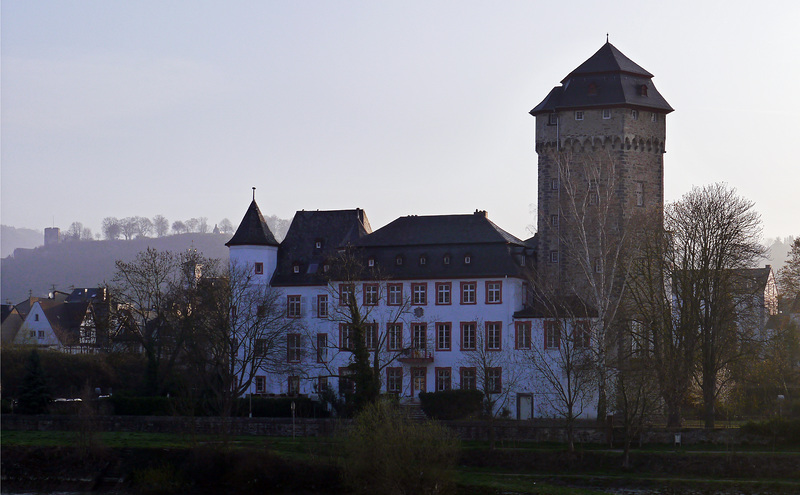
34,394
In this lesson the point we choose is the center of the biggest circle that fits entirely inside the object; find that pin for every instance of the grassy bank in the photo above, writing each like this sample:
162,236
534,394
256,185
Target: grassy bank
170,463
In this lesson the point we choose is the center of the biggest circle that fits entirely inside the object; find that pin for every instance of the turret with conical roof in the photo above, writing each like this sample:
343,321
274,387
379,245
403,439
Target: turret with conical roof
253,247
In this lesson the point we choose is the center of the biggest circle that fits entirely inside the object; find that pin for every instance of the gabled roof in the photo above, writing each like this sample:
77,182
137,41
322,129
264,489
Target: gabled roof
607,79
333,229
434,230
253,230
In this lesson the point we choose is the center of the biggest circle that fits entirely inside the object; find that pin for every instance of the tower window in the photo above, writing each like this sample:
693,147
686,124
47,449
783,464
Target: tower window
554,220
579,115
553,256
643,90
554,184
259,268
653,117
552,119
635,114
639,194
606,113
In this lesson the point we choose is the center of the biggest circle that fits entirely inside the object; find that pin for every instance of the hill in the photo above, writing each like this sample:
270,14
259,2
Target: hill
12,238
89,263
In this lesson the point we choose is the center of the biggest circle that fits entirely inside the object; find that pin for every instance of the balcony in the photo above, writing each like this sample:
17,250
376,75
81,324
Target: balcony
416,356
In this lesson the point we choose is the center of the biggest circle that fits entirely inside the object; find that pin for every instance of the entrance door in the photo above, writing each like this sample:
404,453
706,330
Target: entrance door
524,406
418,381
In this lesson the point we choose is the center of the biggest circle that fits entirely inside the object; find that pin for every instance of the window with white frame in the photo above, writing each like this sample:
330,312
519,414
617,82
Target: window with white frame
345,293
345,337
552,335
468,378
443,379
394,294
443,292
653,117
579,115
523,337
322,306
468,292
582,335
468,336
260,347
635,114
419,335
293,310
394,380
443,336
394,336
419,294
370,294
322,347
606,113
293,385
552,119
322,383
370,336
259,268
293,347
494,380
261,384
494,292
494,335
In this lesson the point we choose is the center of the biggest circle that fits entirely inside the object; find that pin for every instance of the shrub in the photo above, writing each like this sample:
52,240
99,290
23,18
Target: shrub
452,404
386,452
785,430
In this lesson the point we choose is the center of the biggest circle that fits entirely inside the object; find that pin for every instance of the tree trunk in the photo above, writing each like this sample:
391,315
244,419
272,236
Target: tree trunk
709,383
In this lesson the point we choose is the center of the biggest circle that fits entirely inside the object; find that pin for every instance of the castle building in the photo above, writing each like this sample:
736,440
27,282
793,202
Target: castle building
600,139
448,299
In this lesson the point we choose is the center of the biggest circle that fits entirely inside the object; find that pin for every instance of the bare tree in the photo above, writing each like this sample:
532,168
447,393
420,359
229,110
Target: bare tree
161,225
659,322
239,331
225,226
111,228
789,275
142,290
593,249
74,233
179,227
144,227
563,361
192,225
716,235
129,227
278,226
202,225
498,369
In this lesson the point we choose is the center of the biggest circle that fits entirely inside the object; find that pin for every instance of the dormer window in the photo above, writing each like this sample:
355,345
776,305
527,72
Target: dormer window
325,268
398,260
422,260
259,268
371,262
446,259
467,259
592,90
318,244
296,268
643,90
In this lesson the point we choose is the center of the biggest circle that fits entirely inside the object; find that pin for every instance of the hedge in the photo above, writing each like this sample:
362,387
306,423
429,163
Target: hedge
451,404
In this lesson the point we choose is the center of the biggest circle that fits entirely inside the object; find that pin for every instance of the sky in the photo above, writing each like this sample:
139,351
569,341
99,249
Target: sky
417,107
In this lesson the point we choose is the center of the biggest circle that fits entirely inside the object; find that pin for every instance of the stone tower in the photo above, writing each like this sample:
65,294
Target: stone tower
600,140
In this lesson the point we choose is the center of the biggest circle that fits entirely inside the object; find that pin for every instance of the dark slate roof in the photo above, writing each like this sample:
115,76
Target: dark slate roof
97,294
570,306
253,230
444,242
416,230
332,229
617,81
608,60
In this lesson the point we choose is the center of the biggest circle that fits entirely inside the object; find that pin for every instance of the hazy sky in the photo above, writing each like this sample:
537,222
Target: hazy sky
113,108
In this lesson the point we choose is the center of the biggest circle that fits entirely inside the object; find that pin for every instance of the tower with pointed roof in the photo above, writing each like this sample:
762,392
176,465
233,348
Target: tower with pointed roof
600,140
253,247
